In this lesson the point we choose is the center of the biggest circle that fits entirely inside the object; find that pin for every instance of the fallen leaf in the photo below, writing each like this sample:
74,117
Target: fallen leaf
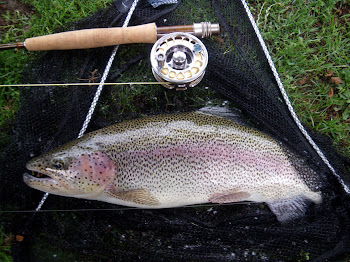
303,80
339,11
336,80
8,241
329,73
218,39
19,238
330,92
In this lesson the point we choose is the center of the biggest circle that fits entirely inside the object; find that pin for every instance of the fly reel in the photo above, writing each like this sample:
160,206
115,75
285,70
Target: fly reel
179,58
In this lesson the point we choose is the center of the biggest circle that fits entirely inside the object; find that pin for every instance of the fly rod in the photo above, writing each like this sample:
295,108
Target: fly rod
100,37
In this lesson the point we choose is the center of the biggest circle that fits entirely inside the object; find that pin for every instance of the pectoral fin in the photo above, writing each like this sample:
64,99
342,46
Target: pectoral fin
288,209
138,196
229,197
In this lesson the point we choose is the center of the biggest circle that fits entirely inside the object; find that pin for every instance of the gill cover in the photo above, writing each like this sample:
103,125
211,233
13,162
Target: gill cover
85,176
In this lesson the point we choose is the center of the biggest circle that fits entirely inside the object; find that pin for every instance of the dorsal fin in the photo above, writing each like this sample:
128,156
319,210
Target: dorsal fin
233,114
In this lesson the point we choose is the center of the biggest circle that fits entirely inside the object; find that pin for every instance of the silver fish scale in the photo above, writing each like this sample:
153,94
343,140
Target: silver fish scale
187,158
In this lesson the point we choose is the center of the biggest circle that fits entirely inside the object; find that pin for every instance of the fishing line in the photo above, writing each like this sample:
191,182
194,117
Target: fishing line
117,209
85,84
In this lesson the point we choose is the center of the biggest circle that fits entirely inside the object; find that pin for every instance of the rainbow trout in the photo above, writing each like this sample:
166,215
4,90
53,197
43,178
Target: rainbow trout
175,160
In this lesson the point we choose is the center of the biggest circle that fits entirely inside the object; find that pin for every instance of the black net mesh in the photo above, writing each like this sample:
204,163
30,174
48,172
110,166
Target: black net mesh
237,72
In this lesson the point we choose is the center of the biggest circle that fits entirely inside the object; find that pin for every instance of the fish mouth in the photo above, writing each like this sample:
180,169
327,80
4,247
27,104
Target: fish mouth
47,179
36,173
36,177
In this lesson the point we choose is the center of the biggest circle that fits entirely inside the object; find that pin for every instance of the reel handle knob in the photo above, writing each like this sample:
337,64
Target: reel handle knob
205,29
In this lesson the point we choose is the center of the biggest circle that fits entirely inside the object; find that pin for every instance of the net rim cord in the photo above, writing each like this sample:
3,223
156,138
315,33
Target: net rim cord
287,101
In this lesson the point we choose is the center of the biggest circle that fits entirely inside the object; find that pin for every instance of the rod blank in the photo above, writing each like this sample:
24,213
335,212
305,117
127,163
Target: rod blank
12,45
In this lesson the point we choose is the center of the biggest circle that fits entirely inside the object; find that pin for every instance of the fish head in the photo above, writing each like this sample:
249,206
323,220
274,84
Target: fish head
72,173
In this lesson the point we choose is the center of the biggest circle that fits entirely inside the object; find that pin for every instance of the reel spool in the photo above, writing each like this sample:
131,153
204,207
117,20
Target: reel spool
179,58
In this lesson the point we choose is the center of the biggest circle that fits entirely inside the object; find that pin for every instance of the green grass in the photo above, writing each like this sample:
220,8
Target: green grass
5,248
40,18
310,43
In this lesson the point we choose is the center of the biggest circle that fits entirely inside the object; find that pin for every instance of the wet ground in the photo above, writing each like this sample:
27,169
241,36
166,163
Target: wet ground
12,6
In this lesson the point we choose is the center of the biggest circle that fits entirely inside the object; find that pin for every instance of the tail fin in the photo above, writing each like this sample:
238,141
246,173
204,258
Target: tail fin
288,209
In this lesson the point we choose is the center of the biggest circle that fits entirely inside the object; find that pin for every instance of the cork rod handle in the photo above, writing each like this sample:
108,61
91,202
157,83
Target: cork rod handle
90,38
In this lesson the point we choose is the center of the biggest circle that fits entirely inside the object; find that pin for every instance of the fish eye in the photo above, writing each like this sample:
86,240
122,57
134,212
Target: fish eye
58,164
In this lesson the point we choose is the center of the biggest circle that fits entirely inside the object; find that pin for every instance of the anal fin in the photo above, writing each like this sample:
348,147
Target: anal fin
138,196
288,209
229,197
